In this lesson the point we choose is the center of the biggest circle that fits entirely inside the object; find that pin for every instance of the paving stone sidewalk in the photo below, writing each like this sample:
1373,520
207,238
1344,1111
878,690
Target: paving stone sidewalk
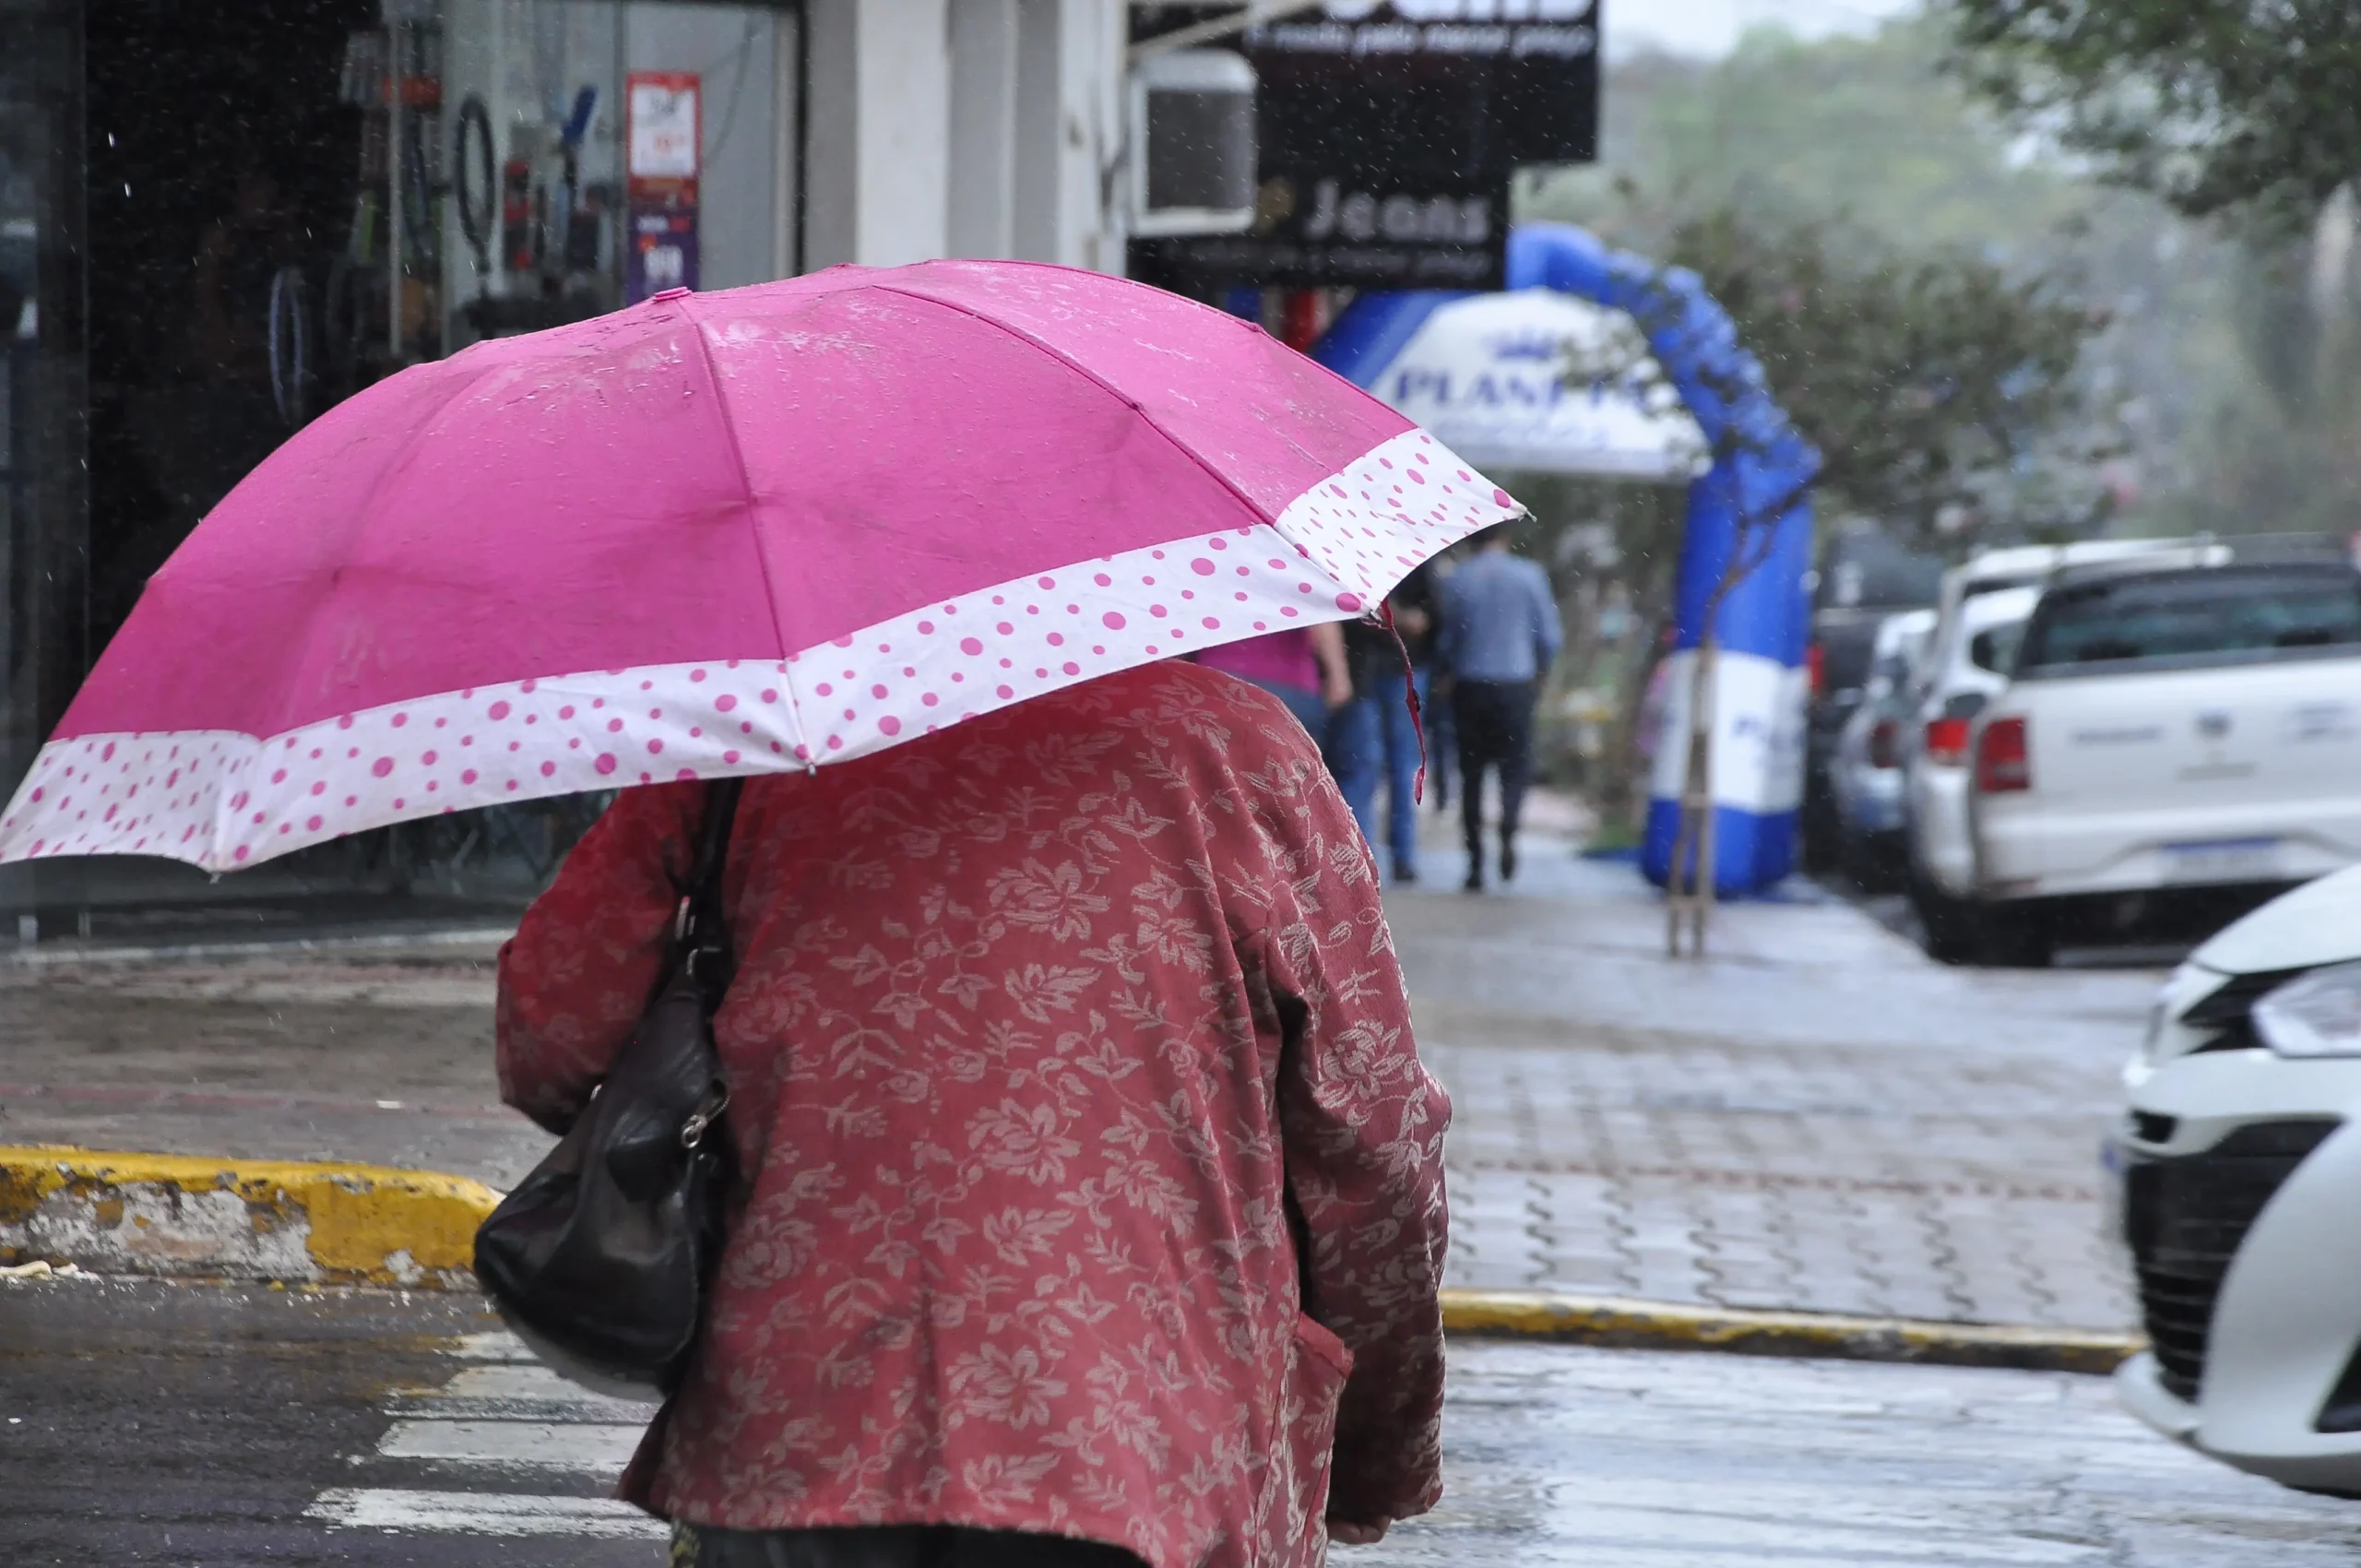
1816,1117
377,1053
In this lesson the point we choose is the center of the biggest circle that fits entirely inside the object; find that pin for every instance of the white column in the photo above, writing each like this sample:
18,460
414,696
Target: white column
878,163
1069,131
983,127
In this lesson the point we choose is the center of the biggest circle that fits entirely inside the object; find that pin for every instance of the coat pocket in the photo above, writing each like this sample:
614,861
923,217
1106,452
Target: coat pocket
1320,1364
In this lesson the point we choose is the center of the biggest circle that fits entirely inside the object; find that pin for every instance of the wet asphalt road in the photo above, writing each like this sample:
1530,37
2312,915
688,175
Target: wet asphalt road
145,1423
209,1427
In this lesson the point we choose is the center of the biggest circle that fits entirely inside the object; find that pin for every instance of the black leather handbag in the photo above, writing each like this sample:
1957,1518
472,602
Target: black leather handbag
600,1260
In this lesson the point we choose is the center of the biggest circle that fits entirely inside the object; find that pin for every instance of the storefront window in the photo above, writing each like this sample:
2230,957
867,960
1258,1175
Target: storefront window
43,648
281,202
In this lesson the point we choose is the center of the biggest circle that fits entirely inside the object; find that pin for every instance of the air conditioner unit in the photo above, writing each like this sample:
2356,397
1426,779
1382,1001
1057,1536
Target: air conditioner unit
1193,144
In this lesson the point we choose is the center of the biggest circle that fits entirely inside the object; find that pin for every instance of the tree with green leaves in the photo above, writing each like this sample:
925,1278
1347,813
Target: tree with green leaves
2214,104
1942,390
2248,115
1938,387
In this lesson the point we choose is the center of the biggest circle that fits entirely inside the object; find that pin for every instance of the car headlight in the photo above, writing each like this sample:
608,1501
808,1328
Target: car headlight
2314,1015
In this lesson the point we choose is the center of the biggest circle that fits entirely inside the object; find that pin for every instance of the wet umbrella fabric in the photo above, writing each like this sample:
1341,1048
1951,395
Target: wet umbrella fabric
733,533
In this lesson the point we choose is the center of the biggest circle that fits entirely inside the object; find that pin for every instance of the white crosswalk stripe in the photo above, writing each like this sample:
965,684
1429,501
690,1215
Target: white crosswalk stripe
537,1445
509,1423
483,1513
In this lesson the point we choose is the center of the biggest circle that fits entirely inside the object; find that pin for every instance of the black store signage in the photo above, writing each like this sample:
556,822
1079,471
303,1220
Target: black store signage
1386,135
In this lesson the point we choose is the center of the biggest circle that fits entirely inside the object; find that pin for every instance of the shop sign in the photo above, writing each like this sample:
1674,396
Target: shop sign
1386,135
663,131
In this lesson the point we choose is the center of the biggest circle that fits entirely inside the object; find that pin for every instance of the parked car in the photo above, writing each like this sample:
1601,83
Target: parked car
2237,1163
2189,736
1981,610
1960,674
1864,577
1865,775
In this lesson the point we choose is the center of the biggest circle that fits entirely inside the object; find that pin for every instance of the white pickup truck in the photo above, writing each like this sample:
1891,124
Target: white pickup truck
2176,733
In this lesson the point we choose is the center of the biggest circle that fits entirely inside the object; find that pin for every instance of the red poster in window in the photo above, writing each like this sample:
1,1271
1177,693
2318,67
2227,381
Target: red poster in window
662,110
663,131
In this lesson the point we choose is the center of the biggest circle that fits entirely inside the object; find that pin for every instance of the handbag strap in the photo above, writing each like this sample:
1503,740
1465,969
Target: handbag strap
702,928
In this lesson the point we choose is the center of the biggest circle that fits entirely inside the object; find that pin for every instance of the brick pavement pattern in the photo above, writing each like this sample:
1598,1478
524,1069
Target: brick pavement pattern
1815,1117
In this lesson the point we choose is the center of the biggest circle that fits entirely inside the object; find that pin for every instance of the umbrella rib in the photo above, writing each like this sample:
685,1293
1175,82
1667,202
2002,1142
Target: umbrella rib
746,489
1270,520
396,466
1094,378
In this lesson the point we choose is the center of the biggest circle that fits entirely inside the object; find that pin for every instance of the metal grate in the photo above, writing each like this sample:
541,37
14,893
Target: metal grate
2185,1219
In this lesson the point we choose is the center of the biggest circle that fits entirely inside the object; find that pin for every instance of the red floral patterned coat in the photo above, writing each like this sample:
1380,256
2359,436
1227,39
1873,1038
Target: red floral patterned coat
1096,1185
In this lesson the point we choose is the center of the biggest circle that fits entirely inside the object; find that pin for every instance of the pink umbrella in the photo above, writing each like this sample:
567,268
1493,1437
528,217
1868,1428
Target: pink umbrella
731,533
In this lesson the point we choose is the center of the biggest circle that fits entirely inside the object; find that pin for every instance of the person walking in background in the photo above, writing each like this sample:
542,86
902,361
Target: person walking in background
1500,634
1441,733
1304,666
1092,1210
1373,739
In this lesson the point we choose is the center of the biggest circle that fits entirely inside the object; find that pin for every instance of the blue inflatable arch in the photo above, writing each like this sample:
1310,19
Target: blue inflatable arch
1760,467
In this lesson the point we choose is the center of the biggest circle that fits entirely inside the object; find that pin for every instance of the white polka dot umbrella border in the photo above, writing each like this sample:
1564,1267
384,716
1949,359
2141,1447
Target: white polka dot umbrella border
221,799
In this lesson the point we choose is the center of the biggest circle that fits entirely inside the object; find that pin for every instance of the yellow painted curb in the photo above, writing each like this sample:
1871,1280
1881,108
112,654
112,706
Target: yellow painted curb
289,1220
1665,1326
318,1223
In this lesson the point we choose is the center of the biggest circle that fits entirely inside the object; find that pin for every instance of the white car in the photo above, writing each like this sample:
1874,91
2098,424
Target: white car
1963,671
2238,1164
2188,736
1983,606
1865,775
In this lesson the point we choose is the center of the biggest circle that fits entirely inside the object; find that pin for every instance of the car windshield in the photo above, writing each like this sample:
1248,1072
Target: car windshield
2205,616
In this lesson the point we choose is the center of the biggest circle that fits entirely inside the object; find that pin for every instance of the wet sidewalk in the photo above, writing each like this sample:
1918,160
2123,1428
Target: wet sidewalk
375,1052
1816,1117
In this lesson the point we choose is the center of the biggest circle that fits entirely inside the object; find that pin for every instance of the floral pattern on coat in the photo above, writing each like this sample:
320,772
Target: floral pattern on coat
1094,1184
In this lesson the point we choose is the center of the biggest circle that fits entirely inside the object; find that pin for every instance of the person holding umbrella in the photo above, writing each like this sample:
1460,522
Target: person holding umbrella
1088,1197
1093,1188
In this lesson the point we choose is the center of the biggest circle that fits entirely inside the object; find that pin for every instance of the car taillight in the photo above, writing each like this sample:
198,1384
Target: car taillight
1885,743
1816,668
2002,764
1947,741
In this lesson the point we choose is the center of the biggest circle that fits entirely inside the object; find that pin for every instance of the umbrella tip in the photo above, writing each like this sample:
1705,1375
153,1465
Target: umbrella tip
660,295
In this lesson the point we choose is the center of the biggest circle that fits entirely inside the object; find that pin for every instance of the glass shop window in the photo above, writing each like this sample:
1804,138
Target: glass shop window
288,200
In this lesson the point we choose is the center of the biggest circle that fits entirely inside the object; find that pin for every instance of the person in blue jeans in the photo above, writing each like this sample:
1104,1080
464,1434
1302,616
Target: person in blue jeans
1442,742
1373,740
1499,634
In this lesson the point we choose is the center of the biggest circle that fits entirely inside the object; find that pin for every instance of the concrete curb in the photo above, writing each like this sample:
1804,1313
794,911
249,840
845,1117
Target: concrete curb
304,1223
1669,1326
194,1217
